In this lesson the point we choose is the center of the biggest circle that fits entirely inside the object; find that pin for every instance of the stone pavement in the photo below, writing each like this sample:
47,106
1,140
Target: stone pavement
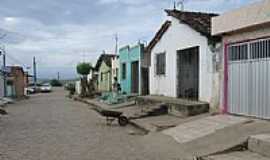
52,127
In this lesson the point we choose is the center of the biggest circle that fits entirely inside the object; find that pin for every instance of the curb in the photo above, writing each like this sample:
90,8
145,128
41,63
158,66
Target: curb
85,101
134,123
137,125
143,127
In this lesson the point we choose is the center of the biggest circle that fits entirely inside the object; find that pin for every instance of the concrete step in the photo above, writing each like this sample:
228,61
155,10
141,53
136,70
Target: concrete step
244,155
177,107
260,144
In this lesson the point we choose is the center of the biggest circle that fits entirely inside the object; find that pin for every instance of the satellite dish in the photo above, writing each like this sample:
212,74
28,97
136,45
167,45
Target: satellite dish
178,3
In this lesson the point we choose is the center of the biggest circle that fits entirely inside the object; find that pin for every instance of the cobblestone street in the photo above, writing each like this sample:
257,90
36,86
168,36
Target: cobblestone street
52,127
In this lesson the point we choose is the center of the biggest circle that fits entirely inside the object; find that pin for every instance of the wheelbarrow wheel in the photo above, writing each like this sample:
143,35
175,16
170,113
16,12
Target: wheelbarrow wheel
123,121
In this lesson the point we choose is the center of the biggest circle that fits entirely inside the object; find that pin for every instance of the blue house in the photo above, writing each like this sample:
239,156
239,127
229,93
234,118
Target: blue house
131,69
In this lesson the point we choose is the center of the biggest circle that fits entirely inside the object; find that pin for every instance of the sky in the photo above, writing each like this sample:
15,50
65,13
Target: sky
62,33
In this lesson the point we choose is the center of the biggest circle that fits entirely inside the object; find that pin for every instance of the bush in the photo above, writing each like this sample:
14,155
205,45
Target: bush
71,88
55,83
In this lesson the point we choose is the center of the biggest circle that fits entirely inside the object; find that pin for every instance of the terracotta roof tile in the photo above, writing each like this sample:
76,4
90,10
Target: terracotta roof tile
107,58
165,26
200,22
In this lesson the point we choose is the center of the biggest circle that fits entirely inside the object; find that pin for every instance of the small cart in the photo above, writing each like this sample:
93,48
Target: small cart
112,115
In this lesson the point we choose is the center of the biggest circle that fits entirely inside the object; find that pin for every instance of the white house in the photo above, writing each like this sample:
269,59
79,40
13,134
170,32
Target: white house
183,58
245,80
115,69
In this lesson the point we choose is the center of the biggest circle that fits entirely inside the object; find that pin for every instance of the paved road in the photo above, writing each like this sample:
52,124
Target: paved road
52,127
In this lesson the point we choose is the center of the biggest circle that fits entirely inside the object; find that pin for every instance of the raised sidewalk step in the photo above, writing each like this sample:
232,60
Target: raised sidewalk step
244,155
177,107
260,144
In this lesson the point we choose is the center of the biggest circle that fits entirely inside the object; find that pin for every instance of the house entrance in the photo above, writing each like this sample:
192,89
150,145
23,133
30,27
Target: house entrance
188,73
135,77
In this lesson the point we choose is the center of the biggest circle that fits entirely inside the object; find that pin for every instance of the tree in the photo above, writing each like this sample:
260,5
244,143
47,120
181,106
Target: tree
55,83
83,69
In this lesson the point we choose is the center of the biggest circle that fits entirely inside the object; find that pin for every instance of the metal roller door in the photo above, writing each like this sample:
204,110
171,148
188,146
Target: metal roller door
249,78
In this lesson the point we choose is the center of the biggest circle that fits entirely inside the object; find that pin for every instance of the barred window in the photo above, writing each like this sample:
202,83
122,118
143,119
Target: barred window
160,64
238,52
260,49
124,71
249,50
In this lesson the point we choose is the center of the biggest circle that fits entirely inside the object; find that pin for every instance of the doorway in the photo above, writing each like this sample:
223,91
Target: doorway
135,77
188,73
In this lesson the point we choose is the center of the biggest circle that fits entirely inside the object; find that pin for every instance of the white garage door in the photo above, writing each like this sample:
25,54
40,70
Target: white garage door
249,78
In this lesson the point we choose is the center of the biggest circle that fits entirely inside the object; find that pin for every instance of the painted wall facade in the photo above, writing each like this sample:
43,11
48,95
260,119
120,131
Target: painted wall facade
258,13
104,78
1,85
19,82
249,34
127,55
180,36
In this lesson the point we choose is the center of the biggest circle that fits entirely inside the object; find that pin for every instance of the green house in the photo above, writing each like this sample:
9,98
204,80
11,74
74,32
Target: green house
130,59
104,69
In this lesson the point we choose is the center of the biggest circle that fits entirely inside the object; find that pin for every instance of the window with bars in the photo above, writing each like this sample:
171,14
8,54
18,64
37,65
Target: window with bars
249,50
124,71
260,49
238,52
161,64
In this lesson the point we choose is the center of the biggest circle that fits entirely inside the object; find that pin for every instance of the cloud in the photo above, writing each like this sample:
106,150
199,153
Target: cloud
64,32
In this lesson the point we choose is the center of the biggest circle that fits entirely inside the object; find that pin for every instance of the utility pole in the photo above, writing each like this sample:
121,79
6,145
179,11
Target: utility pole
35,71
116,43
58,76
4,69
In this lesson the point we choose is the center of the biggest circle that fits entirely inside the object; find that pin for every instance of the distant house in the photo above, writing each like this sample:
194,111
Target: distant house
245,59
182,58
130,59
2,84
92,78
104,69
115,69
15,81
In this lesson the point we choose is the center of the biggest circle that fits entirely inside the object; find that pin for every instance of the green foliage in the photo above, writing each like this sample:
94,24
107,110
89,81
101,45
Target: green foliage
55,83
71,88
84,68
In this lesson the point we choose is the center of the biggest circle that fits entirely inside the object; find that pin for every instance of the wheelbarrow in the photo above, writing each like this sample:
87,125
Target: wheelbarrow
113,115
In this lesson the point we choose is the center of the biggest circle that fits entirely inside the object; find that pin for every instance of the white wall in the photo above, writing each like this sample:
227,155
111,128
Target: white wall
181,36
115,65
78,87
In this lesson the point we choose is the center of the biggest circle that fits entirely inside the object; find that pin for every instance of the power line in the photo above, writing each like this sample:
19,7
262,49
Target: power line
16,60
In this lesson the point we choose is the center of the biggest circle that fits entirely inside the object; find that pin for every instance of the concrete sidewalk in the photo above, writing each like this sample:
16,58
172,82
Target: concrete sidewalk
216,142
195,136
202,127
97,103
163,122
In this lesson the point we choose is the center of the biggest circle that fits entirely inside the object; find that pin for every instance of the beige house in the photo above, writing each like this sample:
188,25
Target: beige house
105,74
245,59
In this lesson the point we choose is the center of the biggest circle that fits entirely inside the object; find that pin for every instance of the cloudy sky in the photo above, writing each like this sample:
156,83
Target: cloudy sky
61,33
